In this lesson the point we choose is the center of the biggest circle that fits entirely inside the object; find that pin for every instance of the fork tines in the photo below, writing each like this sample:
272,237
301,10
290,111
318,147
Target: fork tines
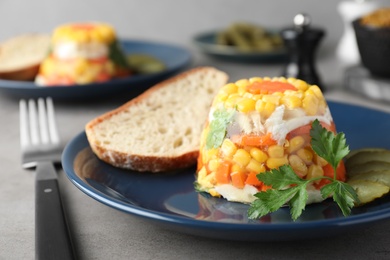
37,122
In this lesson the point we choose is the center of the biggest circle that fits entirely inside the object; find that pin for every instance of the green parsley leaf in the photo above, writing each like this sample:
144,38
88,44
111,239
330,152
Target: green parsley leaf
281,193
327,145
288,188
218,127
343,194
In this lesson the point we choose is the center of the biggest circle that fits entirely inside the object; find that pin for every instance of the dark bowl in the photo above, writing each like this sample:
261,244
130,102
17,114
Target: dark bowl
374,48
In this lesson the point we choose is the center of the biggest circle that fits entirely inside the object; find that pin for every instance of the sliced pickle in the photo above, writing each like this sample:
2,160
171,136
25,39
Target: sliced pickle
368,191
382,177
368,149
363,157
372,166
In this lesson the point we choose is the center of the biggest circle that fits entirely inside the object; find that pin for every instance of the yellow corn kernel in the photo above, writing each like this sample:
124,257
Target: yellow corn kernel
265,108
274,99
319,160
295,143
306,155
310,104
291,102
231,101
276,151
314,171
242,157
237,168
230,88
300,84
213,165
255,79
245,105
255,166
221,97
298,165
242,83
273,163
214,193
228,148
258,155
317,91
209,154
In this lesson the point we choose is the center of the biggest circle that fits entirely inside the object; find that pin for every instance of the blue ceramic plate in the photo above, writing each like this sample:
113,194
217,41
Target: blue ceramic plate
170,199
206,43
175,58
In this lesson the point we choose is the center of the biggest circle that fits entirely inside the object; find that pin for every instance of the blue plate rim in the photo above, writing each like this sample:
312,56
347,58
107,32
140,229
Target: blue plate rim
363,218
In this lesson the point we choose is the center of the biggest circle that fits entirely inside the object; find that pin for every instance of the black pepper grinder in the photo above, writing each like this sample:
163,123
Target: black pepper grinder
301,42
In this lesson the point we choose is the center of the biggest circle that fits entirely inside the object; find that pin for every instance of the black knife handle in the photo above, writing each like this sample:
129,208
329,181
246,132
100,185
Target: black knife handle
52,238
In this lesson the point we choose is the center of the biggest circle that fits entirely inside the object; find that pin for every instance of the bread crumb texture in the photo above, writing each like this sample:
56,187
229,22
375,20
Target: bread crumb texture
166,123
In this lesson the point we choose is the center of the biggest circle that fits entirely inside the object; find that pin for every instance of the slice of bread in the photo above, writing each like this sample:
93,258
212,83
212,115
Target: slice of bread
160,129
21,56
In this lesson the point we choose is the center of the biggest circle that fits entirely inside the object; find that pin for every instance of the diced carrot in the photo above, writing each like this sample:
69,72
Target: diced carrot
238,179
252,179
328,171
254,140
268,87
222,174
265,187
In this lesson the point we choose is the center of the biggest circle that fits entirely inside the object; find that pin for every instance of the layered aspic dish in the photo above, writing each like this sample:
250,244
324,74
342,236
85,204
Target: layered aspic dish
259,124
83,53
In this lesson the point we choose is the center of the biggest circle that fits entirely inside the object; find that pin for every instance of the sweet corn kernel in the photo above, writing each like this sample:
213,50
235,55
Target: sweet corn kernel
319,160
245,105
291,101
231,101
265,108
228,148
298,165
317,91
276,151
255,166
274,99
295,143
237,168
209,154
242,83
242,157
213,165
301,85
258,155
214,193
314,171
273,163
306,155
310,104
255,79
230,88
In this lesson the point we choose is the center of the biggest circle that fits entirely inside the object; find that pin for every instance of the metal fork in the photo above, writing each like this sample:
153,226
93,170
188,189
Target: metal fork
41,148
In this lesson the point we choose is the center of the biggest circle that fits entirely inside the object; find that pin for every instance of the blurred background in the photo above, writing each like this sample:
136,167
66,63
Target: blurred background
178,21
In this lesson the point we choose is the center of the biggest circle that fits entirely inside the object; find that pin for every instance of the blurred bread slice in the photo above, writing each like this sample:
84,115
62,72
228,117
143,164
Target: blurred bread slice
21,56
160,129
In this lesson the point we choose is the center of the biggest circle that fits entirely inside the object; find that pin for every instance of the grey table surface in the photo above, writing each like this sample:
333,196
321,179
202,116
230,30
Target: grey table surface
101,232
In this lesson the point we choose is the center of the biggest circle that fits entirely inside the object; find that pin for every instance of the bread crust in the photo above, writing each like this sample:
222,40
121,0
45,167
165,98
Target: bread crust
145,162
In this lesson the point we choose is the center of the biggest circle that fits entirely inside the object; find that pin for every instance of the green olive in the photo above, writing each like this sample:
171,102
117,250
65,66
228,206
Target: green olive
145,64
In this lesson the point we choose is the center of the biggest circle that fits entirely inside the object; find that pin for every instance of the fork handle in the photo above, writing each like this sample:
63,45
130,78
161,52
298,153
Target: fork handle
52,236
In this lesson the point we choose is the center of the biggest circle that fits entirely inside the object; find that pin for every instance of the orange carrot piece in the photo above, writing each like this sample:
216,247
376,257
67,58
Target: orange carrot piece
328,171
254,140
252,180
222,174
238,179
269,87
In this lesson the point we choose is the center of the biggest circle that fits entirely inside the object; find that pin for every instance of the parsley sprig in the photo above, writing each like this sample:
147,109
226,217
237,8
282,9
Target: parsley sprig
218,127
288,188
